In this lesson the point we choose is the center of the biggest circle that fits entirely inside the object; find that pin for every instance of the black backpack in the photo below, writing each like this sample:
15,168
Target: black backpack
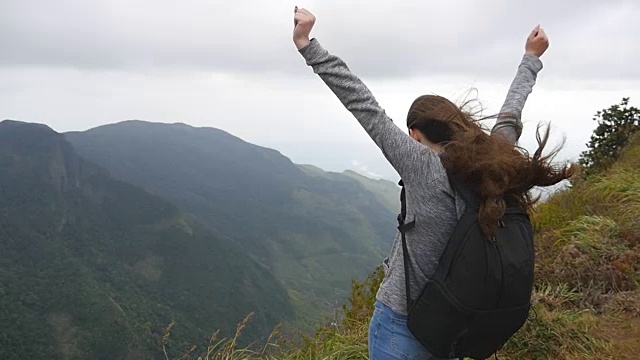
480,294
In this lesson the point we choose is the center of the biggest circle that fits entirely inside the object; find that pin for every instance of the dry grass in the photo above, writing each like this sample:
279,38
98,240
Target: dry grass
589,236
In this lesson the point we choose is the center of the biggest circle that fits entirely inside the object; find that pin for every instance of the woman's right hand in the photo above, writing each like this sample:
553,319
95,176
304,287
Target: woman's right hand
537,42
303,21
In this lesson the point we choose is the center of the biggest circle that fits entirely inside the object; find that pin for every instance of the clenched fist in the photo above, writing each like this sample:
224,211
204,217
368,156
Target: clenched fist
537,42
303,21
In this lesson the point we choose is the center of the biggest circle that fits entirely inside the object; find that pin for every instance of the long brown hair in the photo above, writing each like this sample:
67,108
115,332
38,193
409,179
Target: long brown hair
495,170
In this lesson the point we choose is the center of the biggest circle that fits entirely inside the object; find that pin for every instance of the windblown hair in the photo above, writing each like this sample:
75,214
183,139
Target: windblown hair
496,171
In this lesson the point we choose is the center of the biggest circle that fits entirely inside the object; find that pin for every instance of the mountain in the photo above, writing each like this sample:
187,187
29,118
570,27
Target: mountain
385,191
337,155
314,231
95,268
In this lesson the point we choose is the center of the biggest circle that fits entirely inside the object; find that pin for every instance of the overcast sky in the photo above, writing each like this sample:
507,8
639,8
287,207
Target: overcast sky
77,64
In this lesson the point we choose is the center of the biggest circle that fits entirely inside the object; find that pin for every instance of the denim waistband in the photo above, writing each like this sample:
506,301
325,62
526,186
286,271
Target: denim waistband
387,311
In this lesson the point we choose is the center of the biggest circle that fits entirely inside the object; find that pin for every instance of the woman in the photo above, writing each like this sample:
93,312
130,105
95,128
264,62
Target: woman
443,140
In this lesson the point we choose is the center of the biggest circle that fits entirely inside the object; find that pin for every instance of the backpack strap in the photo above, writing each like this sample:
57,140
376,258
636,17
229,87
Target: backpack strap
403,228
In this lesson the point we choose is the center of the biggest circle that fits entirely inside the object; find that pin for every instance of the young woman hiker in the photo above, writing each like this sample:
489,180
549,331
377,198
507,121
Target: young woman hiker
442,139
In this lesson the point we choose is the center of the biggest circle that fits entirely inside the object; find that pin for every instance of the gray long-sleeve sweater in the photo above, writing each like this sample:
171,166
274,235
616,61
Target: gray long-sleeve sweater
430,199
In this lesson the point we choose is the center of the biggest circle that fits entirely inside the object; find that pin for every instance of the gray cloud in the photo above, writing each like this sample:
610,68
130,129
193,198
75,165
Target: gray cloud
590,39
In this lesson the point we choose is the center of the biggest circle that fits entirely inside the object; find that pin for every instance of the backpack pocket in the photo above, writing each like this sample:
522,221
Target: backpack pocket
449,329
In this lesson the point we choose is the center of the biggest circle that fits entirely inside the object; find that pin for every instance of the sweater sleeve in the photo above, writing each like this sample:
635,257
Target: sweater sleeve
509,123
402,151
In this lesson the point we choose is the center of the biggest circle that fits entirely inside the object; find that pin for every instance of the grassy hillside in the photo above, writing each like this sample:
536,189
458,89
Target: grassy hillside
587,296
95,268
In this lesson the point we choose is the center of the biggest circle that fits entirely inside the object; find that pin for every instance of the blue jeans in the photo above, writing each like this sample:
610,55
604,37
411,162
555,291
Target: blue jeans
390,339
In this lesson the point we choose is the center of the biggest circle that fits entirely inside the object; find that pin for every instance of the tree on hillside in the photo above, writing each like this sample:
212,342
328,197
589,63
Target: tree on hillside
616,125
